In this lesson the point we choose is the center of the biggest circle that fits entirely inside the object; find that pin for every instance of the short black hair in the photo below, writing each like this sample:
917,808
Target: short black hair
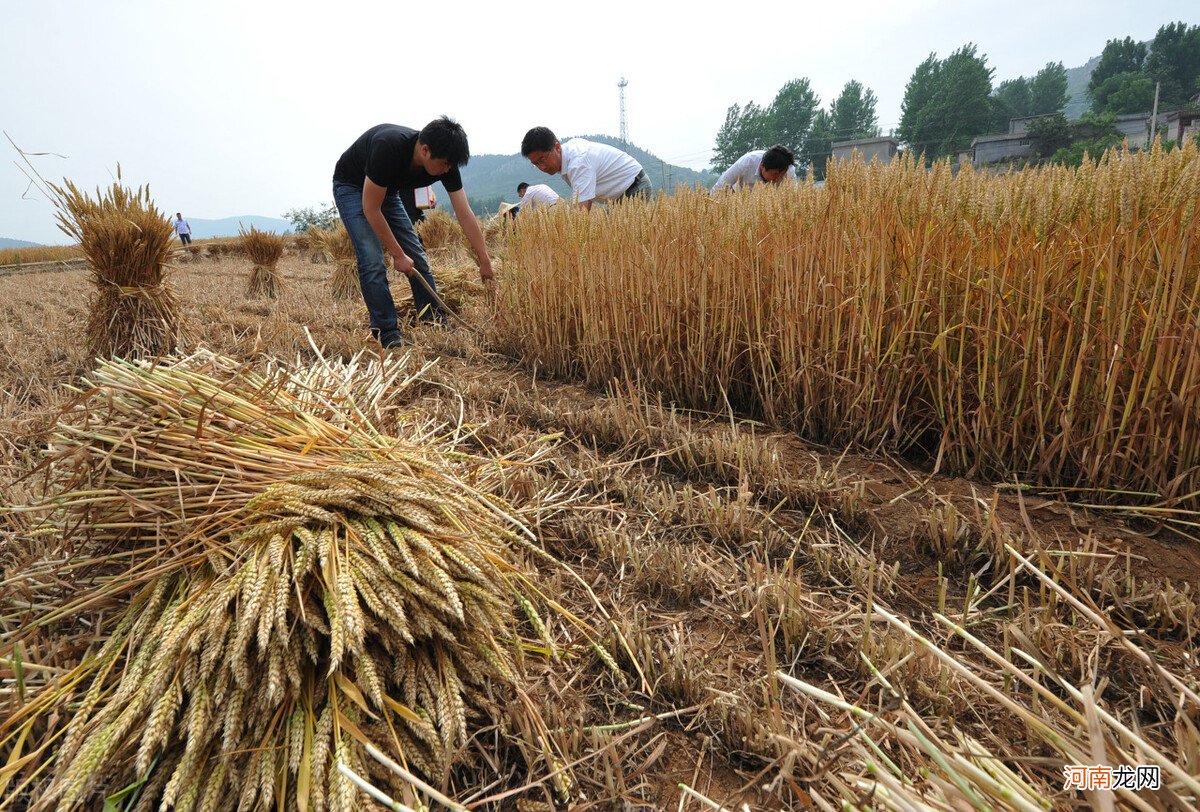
778,157
522,186
539,139
446,140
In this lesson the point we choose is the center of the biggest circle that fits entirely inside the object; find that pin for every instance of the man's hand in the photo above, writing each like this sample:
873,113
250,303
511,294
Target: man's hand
485,270
404,263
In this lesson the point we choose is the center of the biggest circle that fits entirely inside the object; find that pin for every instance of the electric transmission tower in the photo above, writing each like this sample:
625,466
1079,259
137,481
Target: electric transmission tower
621,85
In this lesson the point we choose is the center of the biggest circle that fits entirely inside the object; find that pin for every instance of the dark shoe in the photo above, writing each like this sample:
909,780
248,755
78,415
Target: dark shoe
394,341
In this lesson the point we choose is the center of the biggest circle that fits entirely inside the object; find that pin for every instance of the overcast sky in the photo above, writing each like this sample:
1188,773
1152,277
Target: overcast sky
234,108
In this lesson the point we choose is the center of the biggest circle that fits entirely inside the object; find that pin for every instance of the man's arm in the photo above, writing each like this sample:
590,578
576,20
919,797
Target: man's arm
583,185
372,203
729,178
470,226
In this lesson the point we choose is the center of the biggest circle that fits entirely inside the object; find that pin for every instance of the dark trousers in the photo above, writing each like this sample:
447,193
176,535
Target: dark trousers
186,239
372,260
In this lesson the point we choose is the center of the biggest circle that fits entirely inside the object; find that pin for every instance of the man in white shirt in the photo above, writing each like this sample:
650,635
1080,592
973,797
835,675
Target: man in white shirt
183,229
595,172
537,195
759,166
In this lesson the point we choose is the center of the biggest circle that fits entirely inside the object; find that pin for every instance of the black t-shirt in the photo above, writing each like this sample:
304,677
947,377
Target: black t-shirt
384,154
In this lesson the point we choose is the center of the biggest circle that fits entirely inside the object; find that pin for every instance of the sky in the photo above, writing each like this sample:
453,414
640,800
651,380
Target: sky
242,108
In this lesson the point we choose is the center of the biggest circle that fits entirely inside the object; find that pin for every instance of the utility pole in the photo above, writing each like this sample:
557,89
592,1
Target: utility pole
1153,117
622,83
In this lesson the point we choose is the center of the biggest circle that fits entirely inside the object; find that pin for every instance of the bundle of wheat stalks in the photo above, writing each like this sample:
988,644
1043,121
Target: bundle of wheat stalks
264,249
438,231
298,584
457,285
336,243
1038,324
127,242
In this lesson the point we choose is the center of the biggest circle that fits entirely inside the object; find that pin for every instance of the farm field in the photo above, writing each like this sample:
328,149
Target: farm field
716,613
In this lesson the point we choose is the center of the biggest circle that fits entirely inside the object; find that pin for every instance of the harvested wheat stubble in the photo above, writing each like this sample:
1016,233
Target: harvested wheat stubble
297,584
264,249
127,242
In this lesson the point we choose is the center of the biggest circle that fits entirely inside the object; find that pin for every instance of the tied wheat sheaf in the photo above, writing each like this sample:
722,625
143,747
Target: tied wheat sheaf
336,243
1040,324
298,585
126,241
264,250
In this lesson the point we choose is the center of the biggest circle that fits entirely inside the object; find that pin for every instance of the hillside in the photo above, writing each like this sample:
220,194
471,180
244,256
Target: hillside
229,226
1077,82
491,179
6,242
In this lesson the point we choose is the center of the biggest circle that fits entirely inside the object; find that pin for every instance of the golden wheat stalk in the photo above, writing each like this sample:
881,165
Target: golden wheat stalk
300,584
127,243
264,250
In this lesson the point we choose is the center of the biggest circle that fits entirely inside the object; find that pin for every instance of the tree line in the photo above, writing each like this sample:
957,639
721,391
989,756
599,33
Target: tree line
949,102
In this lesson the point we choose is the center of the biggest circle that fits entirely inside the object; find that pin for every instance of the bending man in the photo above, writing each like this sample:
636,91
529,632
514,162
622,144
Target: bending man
367,182
593,171
759,166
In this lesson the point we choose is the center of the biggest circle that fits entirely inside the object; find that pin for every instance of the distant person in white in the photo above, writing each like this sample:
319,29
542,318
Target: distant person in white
537,195
759,166
183,229
593,171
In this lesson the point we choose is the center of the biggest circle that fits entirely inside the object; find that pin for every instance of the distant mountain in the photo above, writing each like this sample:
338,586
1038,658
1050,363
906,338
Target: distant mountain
491,179
5,242
229,226
1078,102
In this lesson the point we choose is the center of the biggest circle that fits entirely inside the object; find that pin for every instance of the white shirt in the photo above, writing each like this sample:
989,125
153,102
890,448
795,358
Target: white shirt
744,172
182,227
597,171
538,195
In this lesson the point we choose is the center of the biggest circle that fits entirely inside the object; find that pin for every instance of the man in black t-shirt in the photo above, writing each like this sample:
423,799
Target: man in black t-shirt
367,182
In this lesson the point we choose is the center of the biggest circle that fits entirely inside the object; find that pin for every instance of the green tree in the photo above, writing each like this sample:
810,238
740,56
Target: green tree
1174,60
302,220
745,128
853,112
1118,56
1049,134
918,99
818,145
791,114
1048,90
1012,99
1124,93
1092,135
850,116
947,103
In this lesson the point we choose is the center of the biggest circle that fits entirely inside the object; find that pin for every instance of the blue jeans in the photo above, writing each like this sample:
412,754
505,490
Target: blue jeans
372,260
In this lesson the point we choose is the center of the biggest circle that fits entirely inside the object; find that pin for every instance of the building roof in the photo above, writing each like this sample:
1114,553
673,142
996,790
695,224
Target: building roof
990,139
862,141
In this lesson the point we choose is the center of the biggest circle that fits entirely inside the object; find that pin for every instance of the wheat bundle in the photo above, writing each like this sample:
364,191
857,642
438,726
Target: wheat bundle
264,249
438,231
314,585
457,286
336,243
127,242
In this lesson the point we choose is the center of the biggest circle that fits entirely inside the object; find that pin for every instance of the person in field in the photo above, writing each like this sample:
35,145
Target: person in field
533,196
595,172
759,166
367,184
183,229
